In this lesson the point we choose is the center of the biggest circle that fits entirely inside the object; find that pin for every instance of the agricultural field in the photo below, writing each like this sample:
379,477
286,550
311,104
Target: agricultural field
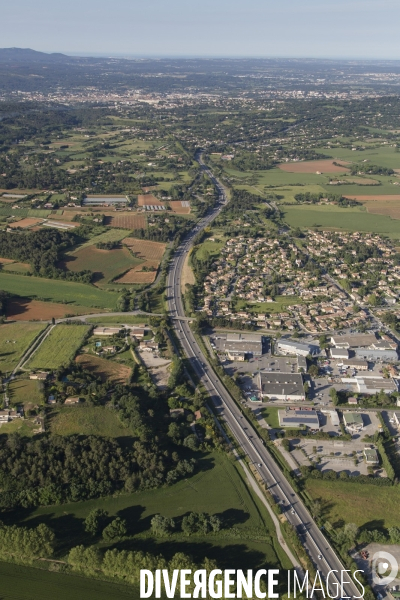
356,503
16,267
138,276
28,392
127,319
59,347
86,420
389,207
383,156
26,223
24,583
144,249
55,290
126,221
218,488
105,265
334,217
106,369
148,200
312,166
23,309
111,235
15,339
180,207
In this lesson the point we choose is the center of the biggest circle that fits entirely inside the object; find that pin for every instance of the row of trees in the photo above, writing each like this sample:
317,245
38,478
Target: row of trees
192,523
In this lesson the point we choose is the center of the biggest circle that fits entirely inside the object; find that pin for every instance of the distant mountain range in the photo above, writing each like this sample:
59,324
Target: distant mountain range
24,55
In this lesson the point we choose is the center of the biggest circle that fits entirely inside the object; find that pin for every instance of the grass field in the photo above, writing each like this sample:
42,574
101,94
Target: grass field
86,420
391,208
364,505
112,235
350,219
59,347
108,370
56,290
26,392
17,267
105,264
384,156
28,583
15,338
270,414
281,303
218,488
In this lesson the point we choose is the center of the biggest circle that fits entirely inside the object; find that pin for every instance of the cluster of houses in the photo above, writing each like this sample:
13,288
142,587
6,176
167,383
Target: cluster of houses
326,247
247,268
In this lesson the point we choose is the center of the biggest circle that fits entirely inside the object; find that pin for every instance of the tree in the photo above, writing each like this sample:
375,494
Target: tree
313,371
334,396
115,530
162,525
351,532
95,521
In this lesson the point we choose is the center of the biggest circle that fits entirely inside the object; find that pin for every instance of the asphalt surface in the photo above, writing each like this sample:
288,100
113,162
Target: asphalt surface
315,543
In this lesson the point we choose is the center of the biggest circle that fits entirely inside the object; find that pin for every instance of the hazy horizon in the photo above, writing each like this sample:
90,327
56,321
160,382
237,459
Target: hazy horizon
335,30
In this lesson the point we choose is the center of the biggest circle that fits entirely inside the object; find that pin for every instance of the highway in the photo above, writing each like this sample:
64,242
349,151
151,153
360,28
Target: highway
315,543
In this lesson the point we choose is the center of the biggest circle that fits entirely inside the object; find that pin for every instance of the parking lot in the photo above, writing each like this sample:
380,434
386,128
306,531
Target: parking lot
336,455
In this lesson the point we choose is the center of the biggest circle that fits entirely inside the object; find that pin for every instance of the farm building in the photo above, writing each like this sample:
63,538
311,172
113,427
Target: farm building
138,332
281,386
40,375
298,418
72,400
9,415
107,330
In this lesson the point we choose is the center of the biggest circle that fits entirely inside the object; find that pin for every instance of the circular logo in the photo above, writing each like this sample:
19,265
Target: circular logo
381,562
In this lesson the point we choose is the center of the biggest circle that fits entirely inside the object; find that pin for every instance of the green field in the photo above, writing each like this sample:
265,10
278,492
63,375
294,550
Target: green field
15,339
384,156
350,219
270,414
55,290
59,347
28,583
104,264
281,303
365,505
111,235
86,420
26,392
217,489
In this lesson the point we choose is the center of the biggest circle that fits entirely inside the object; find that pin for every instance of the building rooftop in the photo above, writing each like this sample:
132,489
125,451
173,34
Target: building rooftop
281,384
359,340
294,418
353,418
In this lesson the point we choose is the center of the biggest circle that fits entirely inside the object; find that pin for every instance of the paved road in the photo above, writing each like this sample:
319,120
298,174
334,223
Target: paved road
318,548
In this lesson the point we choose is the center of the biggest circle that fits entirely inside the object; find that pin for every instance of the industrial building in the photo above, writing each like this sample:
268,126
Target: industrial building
337,353
299,418
239,346
287,346
373,354
354,341
281,386
353,422
356,363
374,385
301,364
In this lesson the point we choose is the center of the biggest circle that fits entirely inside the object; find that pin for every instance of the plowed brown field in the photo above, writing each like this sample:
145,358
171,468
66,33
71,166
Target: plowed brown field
148,200
33,310
145,249
312,166
176,207
25,223
134,276
107,370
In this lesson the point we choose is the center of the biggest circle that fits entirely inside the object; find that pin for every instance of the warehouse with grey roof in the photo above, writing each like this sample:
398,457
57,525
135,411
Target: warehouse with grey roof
281,386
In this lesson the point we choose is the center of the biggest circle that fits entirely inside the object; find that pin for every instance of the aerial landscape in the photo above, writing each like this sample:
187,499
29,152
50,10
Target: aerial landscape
199,319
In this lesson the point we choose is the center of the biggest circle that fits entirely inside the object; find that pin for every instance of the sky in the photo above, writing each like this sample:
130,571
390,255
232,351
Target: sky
240,28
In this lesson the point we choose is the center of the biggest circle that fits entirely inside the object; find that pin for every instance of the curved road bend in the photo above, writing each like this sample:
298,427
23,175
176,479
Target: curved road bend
318,548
